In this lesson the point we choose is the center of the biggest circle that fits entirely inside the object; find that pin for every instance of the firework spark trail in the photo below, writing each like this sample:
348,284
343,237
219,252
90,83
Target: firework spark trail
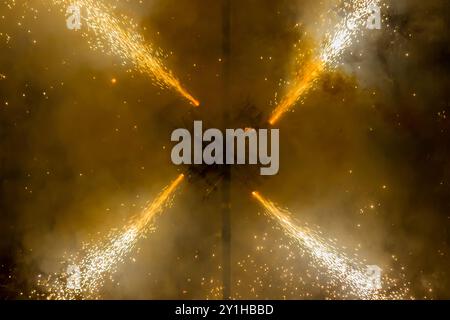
341,268
329,55
98,261
118,36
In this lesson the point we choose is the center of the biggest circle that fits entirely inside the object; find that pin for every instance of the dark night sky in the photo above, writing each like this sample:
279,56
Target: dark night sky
365,157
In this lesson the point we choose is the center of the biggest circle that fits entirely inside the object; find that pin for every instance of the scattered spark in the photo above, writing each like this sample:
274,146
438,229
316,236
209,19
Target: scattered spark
302,85
98,261
329,56
118,36
342,269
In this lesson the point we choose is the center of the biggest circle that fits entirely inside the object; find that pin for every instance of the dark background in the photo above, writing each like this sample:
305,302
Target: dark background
366,157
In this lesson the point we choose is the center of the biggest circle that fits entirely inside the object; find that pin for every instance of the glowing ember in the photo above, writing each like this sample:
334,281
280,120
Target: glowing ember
87,270
329,55
342,269
118,36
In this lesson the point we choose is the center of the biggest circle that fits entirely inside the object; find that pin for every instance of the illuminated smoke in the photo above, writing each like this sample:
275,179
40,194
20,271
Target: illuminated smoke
118,36
328,58
349,273
97,261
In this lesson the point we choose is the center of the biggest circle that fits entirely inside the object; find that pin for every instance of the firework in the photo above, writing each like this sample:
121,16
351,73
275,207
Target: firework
350,273
87,270
118,36
346,31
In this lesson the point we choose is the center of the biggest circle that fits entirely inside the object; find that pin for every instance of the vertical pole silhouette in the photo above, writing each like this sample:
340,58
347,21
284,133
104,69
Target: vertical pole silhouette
226,105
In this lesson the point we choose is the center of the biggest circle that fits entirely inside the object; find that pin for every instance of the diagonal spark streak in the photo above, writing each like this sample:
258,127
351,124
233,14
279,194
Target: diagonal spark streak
340,267
118,36
328,58
98,261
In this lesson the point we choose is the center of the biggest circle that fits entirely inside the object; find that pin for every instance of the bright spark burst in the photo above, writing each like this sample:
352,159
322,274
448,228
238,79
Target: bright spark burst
98,261
329,55
118,36
342,269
